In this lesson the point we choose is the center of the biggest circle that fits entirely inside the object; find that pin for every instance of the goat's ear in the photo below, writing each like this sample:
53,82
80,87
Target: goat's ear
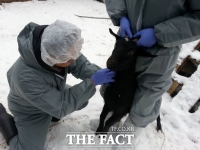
115,35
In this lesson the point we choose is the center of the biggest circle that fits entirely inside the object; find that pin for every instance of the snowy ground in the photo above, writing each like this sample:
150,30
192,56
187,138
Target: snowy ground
180,127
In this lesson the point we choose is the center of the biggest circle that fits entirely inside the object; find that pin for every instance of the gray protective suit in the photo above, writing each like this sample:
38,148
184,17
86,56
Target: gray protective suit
175,22
37,94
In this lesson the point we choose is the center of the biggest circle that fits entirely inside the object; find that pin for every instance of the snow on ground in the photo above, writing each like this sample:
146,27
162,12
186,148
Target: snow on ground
180,127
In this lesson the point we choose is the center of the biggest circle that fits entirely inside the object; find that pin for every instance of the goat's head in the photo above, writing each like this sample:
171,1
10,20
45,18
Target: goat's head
124,53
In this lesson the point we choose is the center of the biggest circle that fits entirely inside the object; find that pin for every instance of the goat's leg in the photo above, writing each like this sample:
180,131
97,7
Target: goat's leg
159,127
103,115
111,121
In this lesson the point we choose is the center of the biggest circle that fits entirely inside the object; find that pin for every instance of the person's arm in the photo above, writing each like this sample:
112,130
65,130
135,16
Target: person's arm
82,68
34,89
42,95
116,10
182,29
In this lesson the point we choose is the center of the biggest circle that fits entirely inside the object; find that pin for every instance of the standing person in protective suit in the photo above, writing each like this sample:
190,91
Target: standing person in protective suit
38,90
162,26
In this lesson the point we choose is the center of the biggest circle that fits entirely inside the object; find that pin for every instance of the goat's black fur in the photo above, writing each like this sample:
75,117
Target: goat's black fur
119,95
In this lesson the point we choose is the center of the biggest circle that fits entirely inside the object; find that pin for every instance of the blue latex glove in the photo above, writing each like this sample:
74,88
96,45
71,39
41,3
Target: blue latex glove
147,37
103,76
125,28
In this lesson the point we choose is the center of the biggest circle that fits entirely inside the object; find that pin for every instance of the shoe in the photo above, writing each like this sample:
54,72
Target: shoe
7,124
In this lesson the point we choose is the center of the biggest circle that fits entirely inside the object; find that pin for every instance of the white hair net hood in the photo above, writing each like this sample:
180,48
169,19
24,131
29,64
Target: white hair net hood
60,42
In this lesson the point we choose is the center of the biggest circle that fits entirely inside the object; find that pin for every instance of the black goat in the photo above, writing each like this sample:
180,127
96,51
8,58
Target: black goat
119,95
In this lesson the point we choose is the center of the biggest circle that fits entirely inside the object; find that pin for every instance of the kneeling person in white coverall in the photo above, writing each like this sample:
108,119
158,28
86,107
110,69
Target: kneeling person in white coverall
38,90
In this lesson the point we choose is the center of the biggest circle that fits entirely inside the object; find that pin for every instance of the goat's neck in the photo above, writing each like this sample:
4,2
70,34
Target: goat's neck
126,76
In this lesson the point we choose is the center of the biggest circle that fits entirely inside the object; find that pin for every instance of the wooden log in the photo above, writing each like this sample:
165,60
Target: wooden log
197,47
188,67
195,107
178,67
175,88
194,61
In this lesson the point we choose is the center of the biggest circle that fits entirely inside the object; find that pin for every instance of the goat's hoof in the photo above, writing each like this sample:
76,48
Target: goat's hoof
103,134
159,129
98,131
